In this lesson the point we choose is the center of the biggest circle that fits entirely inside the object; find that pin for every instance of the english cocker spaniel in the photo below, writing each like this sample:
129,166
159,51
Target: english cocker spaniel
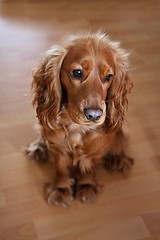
80,94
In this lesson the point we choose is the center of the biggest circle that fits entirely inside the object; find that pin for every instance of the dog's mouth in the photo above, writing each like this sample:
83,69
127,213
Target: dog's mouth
87,116
83,120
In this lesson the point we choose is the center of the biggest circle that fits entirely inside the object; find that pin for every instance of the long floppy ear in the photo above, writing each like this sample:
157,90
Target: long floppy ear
117,98
47,87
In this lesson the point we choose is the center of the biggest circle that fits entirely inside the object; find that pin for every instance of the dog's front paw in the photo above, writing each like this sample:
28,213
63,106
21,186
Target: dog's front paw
61,197
87,193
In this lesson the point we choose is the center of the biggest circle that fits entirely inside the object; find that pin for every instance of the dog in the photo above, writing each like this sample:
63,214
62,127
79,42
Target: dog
80,91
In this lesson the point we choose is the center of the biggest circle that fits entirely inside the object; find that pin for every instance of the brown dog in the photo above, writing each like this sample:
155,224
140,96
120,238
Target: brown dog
80,94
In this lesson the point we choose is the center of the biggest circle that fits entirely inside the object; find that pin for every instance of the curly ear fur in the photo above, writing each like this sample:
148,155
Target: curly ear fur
117,96
47,88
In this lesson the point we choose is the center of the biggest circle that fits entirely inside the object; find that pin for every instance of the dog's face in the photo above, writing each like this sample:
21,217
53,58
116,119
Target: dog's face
86,74
89,76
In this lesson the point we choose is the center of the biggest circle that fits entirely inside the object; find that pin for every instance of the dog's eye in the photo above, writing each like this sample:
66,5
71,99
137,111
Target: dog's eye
77,74
108,77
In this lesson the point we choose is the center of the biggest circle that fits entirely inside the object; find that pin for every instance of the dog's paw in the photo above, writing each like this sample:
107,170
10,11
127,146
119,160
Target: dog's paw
37,151
87,193
118,163
61,197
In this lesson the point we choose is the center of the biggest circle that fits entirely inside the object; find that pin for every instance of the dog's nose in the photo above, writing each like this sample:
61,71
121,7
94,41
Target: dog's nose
93,114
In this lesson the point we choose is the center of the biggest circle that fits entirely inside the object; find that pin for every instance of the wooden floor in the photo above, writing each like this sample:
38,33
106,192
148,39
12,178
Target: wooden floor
129,207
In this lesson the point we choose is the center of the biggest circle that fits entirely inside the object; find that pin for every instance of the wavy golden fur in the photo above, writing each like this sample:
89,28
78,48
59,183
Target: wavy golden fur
80,94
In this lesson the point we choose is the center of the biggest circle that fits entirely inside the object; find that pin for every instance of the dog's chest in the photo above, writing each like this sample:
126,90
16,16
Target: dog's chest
74,136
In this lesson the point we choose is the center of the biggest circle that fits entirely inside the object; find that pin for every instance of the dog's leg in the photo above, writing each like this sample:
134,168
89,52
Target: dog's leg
116,160
37,151
60,193
87,187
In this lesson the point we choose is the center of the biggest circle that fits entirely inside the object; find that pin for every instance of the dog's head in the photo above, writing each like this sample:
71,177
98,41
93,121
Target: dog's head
89,76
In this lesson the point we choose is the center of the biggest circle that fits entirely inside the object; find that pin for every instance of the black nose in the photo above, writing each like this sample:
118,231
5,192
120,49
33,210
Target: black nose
93,114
